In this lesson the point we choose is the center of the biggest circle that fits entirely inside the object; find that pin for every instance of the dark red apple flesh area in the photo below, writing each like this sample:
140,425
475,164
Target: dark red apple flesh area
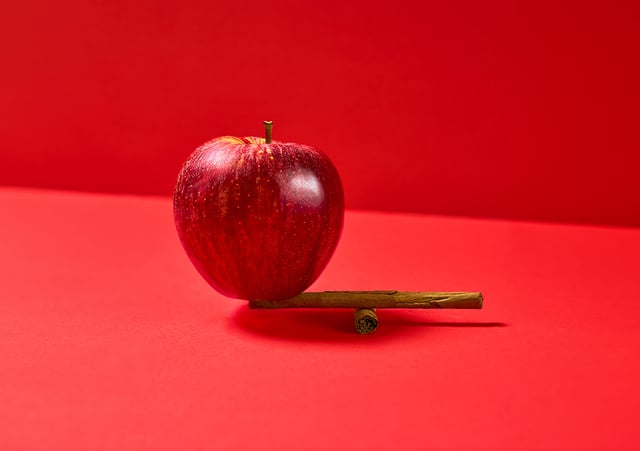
259,220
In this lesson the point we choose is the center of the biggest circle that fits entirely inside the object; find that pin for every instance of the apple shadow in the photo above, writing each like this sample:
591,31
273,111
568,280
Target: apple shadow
336,325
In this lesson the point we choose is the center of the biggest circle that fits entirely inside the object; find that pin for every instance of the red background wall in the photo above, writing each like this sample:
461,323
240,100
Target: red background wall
497,108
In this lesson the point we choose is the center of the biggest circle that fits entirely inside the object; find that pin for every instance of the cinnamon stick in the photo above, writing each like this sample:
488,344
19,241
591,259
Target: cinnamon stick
377,299
365,321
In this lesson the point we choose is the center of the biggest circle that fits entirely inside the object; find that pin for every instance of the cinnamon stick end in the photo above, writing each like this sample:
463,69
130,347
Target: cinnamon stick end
365,321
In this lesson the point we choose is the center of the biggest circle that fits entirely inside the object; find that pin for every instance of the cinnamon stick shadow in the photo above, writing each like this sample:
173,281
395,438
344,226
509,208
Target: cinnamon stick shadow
336,325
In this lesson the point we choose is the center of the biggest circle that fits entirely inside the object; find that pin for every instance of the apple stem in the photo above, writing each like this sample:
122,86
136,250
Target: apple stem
268,126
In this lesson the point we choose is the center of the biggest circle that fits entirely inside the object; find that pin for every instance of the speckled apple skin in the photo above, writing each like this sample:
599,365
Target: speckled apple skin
258,221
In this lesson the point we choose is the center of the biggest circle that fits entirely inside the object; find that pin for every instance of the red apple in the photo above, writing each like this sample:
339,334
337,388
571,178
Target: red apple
259,219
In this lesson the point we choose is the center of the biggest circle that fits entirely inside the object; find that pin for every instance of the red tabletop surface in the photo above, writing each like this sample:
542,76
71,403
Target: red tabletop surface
110,340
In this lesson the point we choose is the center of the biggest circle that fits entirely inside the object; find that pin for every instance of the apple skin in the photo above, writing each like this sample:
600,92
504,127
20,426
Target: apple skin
259,221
